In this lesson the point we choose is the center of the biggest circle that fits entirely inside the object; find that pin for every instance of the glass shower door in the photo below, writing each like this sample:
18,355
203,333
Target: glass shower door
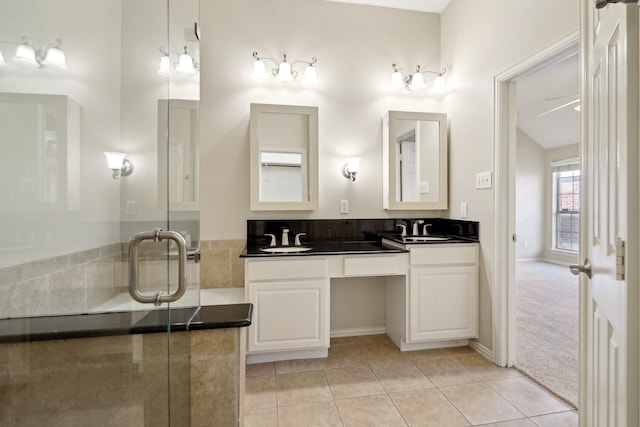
79,79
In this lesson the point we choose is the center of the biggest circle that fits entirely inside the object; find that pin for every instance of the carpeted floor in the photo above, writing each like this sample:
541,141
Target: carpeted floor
547,326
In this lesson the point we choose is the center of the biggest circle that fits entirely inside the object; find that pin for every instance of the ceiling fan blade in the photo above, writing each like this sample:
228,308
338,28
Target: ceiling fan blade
558,108
561,97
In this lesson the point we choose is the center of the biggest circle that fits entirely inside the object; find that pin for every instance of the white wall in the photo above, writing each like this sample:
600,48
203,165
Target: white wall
530,197
479,40
355,46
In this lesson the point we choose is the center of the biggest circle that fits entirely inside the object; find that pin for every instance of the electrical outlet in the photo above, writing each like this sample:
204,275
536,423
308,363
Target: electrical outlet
483,180
344,206
463,210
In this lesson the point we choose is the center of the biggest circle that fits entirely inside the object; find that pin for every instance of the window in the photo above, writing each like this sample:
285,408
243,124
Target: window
566,205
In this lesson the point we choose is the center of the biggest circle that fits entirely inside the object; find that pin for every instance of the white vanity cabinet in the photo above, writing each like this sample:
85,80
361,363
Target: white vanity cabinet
443,292
291,304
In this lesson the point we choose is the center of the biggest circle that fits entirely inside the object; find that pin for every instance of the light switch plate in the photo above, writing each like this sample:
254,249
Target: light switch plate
463,210
424,187
130,207
344,206
483,180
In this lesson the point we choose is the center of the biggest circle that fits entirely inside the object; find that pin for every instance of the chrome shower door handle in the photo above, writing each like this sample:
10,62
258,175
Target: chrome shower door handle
585,268
157,236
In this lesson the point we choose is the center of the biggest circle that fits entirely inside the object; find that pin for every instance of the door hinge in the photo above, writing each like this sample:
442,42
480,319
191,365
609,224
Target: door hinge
620,255
514,237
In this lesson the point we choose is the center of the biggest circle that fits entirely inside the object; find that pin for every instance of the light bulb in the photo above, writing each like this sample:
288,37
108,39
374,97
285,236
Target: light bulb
26,55
439,83
284,72
55,58
417,81
114,159
396,80
165,65
310,74
259,70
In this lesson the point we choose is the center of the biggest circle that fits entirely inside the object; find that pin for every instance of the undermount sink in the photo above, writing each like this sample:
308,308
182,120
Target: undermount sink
423,238
286,249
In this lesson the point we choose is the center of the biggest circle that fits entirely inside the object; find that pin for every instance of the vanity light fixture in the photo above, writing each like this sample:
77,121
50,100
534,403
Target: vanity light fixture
119,164
2,61
187,65
351,168
48,56
284,71
415,81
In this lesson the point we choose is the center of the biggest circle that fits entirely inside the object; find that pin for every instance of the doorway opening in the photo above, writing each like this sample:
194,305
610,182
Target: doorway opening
537,225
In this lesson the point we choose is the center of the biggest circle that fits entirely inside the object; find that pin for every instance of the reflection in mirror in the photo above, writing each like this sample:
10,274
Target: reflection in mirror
284,157
415,161
179,148
41,138
281,177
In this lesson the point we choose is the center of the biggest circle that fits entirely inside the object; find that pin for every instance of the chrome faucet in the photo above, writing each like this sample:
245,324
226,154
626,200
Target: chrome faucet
403,228
416,227
285,237
425,229
297,239
273,239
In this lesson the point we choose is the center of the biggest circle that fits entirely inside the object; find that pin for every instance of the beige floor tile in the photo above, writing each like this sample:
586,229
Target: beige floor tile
485,370
528,397
353,382
261,418
369,411
562,419
302,387
314,414
480,404
342,356
420,355
445,371
261,369
523,422
400,376
459,351
427,408
381,352
299,365
260,393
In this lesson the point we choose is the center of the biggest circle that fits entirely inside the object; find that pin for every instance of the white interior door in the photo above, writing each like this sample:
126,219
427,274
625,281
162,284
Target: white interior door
609,300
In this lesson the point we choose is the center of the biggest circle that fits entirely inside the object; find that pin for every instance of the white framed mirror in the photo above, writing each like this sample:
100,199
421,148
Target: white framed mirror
284,157
415,161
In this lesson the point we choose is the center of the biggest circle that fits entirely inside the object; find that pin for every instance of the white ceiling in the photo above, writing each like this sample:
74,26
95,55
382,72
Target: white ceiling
433,6
546,101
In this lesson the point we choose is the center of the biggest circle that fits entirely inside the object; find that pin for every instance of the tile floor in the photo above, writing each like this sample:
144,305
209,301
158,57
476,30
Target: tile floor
367,381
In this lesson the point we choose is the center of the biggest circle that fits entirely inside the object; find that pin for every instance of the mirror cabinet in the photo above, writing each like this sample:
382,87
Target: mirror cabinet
414,161
284,157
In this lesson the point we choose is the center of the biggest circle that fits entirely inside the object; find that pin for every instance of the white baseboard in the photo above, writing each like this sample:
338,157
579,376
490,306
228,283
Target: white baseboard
317,353
484,351
354,332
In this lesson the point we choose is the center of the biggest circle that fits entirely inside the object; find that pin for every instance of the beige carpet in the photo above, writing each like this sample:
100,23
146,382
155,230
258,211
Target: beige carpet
547,326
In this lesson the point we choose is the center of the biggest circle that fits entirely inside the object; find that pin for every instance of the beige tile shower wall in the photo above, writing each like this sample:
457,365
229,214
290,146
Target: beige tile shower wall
123,380
65,284
221,265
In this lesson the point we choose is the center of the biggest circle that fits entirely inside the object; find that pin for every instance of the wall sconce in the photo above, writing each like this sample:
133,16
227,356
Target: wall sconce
118,164
284,71
351,168
415,81
49,56
186,65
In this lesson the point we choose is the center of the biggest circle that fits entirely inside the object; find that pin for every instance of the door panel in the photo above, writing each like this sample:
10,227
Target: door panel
609,323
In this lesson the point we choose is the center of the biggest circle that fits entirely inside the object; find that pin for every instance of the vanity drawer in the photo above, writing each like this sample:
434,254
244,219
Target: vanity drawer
277,269
444,254
371,265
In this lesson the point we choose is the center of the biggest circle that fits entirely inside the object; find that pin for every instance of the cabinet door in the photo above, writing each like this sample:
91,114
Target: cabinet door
443,303
289,315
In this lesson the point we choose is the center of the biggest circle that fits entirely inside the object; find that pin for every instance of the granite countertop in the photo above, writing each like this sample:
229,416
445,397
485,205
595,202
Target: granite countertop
327,248
124,323
445,239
